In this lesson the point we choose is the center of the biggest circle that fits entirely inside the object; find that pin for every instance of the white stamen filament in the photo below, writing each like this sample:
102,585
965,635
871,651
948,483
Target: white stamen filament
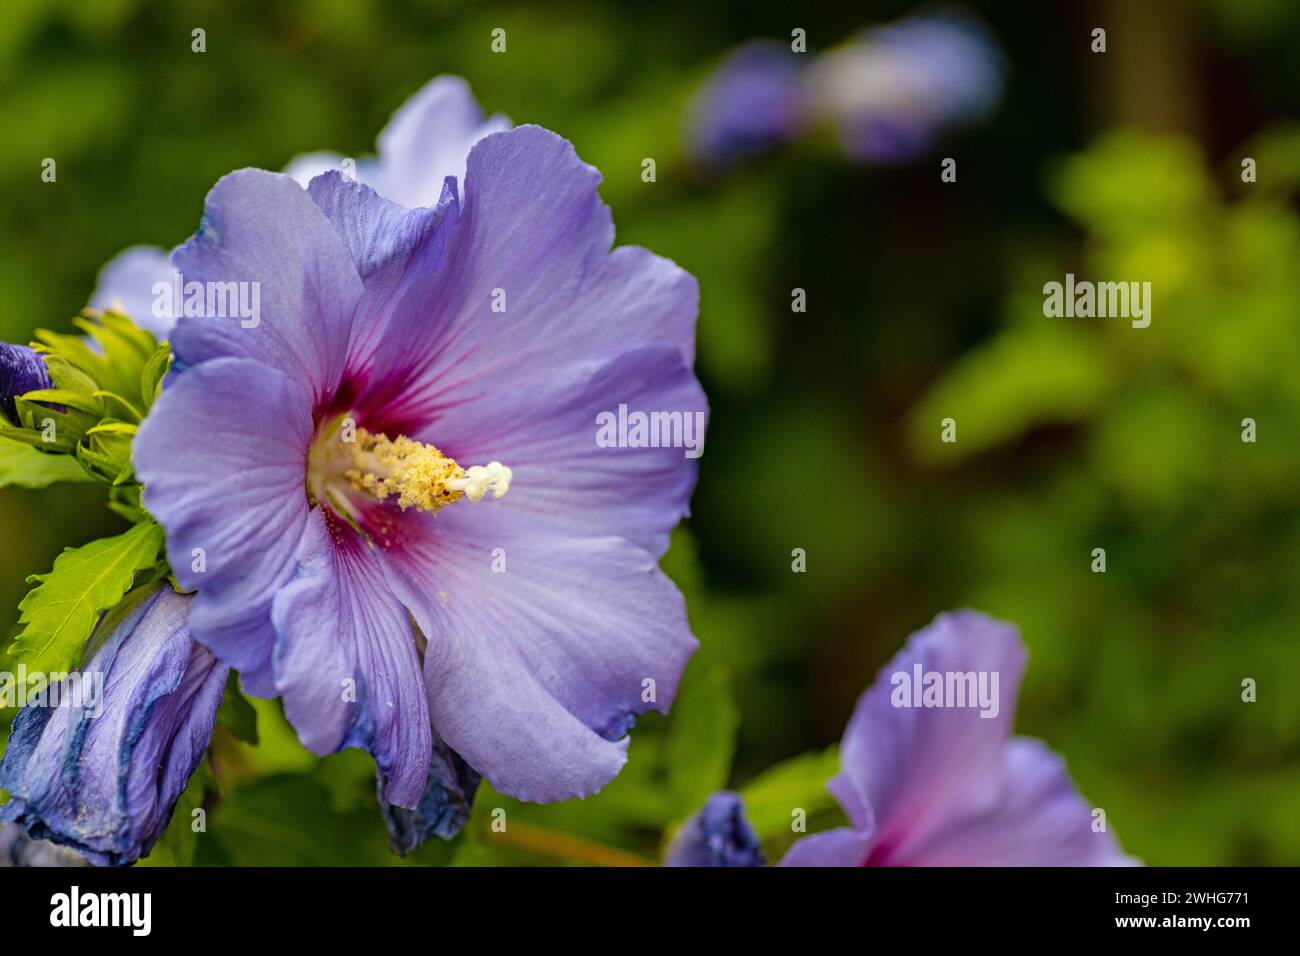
480,479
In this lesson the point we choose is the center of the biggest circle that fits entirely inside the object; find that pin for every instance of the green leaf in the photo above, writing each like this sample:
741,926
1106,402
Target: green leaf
155,370
125,350
124,500
60,614
69,350
26,467
237,714
291,821
66,375
107,453
113,427
51,428
701,738
73,399
25,437
1029,375
133,414
796,784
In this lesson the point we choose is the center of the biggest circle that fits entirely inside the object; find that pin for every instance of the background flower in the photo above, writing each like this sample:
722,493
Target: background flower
947,785
892,91
428,139
126,284
889,92
751,102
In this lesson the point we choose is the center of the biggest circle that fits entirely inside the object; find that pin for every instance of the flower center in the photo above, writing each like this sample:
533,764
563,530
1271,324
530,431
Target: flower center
347,466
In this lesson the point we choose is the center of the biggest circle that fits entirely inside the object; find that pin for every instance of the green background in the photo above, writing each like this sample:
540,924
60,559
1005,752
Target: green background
924,302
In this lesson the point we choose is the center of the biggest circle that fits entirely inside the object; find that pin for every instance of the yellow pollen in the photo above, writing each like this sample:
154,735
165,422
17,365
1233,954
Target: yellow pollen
419,475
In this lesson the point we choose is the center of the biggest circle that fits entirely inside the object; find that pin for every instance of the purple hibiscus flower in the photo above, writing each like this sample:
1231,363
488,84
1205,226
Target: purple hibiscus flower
102,772
719,835
401,357
926,781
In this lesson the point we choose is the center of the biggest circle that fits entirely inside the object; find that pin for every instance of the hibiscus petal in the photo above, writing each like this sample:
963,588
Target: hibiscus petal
550,435
428,139
340,628
103,778
223,456
305,167
262,228
917,768
840,847
391,246
533,239
1038,820
534,673
384,240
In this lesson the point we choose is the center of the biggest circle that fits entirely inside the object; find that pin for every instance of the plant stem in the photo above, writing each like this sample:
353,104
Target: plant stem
563,846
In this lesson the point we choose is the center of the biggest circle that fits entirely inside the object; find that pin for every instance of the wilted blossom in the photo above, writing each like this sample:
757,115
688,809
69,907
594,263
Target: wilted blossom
888,93
21,371
719,835
944,785
17,848
344,467
103,777
444,806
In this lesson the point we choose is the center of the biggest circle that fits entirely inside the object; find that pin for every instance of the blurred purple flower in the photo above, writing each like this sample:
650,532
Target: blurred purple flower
104,777
126,285
321,550
22,370
719,835
893,91
749,104
946,786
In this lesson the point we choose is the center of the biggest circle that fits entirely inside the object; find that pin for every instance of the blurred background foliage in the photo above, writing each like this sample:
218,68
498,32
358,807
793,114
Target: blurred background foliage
924,302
